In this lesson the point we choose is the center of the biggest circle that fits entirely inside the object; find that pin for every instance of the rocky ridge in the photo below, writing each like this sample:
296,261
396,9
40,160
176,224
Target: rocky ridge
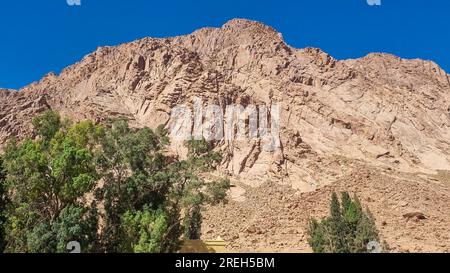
379,112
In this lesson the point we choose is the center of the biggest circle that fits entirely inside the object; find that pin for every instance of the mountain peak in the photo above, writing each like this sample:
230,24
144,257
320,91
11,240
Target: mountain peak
240,23
251,27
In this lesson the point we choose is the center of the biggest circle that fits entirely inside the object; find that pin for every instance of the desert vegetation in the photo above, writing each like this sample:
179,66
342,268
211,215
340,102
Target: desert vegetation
348,229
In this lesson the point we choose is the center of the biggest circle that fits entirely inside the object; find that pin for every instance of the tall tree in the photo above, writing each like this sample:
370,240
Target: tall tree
145,193
348,229
71,177
50,178
134,176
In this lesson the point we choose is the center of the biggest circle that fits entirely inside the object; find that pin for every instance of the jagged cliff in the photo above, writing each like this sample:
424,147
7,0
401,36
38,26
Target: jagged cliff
379,112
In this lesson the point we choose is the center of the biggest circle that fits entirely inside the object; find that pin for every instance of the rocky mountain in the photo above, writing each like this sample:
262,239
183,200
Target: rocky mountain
378,126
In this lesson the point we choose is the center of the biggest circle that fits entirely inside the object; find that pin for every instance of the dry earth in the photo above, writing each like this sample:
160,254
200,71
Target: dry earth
274,217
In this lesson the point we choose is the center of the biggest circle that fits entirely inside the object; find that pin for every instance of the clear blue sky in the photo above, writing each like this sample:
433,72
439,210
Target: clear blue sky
40,36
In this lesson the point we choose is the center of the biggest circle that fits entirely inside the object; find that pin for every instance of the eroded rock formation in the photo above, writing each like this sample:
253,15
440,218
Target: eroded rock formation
379,111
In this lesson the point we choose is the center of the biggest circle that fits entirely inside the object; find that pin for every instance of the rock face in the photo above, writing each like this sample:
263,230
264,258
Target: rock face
16,111
381,111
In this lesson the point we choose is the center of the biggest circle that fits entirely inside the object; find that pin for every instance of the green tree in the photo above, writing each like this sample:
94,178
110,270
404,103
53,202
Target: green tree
135,176
62,183
348,229
47,125
146,230
49,178
144,194
201,155
195,191
193,222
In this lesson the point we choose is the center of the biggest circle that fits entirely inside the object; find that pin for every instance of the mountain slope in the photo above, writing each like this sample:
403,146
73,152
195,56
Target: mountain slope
338,118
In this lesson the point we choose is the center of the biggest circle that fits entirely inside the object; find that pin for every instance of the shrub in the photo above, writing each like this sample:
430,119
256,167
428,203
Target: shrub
348,229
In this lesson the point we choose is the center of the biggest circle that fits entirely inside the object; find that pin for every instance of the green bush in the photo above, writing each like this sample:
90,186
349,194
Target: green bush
348,229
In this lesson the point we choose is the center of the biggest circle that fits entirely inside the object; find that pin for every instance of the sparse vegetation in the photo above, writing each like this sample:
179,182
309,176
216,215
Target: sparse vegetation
348,229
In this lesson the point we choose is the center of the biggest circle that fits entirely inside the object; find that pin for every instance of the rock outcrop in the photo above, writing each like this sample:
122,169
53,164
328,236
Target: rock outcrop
380,111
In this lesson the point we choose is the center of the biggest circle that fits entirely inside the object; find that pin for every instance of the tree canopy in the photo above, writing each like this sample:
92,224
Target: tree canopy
109,187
